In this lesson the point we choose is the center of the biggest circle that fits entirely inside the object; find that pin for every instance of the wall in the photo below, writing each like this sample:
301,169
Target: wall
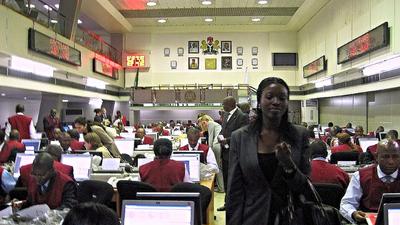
7,106
160,72
341,21
148,115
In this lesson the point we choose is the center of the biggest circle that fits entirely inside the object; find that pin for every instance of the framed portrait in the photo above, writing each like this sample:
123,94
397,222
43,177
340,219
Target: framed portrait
211,64
173,64
180,51
226,46
193,47
254,62
239,62
193,63
167,51
254,51
226,62
239,51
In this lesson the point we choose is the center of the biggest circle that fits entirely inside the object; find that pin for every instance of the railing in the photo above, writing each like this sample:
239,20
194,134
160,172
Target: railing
50,17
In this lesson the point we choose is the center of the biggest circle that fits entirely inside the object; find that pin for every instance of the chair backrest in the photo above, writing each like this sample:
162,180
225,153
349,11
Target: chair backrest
331,194
127,189
127,158
95,191
345,156
205,195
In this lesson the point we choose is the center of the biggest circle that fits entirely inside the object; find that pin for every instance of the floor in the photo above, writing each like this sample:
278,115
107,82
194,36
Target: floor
218,202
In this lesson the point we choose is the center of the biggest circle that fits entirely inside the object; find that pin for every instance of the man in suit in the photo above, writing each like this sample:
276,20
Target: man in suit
144,140
22,123
234,119
51,122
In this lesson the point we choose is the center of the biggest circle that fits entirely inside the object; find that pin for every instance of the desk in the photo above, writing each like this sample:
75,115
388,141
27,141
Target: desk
210,210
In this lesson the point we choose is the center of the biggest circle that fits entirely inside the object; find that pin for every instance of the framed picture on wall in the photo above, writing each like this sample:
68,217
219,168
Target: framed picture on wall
226,46
254,62
226,62
239,51
193,47
211,64
180,51
254,51
173,64
166,52
239,62
193,63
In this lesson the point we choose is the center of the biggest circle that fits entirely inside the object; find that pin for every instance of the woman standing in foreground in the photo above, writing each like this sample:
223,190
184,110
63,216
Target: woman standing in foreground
268,160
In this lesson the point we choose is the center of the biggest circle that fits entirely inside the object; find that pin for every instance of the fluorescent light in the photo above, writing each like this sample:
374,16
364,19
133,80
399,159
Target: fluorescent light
3,94
151,3
92,82
206,2
47,7
388,64
208,19
147,104
96,102
57,6
323,83
256,19
26,65
25,98
32,6
79,21
162,20
65,100
262,2
53,21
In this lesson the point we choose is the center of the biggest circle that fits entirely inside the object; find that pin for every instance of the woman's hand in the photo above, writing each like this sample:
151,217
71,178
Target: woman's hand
283,154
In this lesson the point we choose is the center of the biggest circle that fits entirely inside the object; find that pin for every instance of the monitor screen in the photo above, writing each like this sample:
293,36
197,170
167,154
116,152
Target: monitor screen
142,212
31,144
125,146
386,198
366,142
81,163
382,135
192,164
22,159
200,153
392,213
110,164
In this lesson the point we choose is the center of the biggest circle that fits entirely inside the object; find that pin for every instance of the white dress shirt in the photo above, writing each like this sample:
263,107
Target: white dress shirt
351,200
231,113
32,130
211,161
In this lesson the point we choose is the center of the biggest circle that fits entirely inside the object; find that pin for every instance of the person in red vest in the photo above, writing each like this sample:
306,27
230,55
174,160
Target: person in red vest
321,170
163,172
193,136
160,130
11,148
51,122
368,184
144,140
49,186
345,144
55,151
22,123
75,143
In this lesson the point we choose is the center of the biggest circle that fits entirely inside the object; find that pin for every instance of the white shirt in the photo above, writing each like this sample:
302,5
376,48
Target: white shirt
351,200
32,130
211,161
231,113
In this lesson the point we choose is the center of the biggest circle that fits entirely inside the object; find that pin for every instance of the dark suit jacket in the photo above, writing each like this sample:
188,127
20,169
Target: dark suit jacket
249,193
237,120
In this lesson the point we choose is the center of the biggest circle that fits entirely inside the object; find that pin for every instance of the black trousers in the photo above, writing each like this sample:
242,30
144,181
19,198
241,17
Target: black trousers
225,167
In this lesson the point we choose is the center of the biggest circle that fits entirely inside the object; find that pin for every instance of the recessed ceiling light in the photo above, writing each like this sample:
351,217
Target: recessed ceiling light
32,6
3,94
206,2
47,7
208,19
162,20
25,98
57,6
256,19
79,21
65,100
53,21
151,3
262,2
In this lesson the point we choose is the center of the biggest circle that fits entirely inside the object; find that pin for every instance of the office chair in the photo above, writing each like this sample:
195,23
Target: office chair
95,191
331,194
345,156
127,158
205,195
127,189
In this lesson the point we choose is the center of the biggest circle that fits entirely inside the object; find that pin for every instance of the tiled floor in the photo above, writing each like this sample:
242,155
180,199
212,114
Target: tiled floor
218,202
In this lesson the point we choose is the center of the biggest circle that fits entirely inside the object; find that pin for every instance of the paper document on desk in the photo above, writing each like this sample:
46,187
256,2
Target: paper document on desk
34,211
6,212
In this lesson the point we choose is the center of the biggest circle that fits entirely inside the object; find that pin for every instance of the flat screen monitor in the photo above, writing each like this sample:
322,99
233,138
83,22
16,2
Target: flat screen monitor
125,146
177,196
110,164
200,153
386,198
284,59
88,152
146,212
192,164
31,144
382,135
81,163
366,142
391,213
22,159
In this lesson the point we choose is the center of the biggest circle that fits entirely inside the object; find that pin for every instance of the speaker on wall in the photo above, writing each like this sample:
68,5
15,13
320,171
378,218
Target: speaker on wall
284,59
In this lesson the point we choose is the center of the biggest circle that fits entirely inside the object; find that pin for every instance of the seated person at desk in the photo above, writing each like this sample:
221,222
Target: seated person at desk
345,144
163,172
391,135
193,135
49,186
7,183
93,142
55,151
11,147
321,170
368,184
65,142
144,140
160,130
75,144
358,133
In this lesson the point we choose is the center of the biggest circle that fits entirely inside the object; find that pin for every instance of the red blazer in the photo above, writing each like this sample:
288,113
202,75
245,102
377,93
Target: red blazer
373,188
201,147
76,145
25,172
345,148
49,124
21,123
165,133
8,147
373,149
324,172
162,173
148,140
53,198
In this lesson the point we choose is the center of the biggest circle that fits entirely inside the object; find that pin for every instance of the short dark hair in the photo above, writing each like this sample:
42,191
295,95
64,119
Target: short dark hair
393,134
318,149
19,108
330,124
81,120
74,134
55,151
14,135
43,161
162,148
90,213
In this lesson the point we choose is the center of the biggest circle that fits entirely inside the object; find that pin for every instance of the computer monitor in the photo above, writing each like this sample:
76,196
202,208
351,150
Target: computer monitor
31,144
81,163
192,164
391,213
386,198
177,196
90,152
145,212
200,153
110,164
153,135
127,135
382,135
366,142
125,146
22,159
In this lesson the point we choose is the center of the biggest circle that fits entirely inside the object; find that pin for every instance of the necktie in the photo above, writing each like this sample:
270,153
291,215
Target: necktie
387,179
